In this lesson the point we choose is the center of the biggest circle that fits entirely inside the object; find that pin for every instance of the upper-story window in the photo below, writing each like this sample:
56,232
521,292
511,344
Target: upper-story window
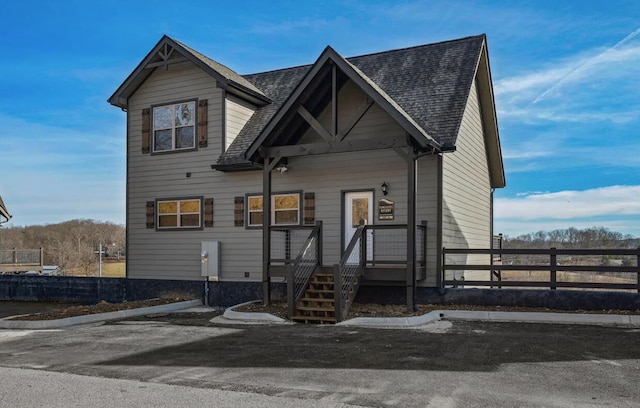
174,127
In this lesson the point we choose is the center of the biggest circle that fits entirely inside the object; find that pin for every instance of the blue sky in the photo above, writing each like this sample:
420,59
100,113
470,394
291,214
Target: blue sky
566,79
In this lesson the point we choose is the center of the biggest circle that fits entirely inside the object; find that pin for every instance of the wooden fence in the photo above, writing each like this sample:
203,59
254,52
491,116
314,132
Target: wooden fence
496,268
21,260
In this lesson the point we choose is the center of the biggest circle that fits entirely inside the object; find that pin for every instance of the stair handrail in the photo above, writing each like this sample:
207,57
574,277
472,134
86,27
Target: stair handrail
299,274
345,275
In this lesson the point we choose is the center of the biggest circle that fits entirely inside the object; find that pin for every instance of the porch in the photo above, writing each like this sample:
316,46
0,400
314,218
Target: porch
383,255
374,255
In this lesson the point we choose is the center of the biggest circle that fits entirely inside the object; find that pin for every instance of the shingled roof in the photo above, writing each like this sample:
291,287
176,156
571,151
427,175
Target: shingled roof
431,83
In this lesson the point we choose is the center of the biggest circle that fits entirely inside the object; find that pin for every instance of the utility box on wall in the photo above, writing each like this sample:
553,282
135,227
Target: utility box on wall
210,255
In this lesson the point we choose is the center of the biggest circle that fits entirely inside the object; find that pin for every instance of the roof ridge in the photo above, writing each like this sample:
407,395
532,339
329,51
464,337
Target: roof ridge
371,54
277,70
218,66
418,46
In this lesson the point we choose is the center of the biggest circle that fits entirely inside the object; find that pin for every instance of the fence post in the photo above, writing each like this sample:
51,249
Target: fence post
15,256
638,268
424,246
291,307
553,263
319,245
337,292
41,259
363,247
444,265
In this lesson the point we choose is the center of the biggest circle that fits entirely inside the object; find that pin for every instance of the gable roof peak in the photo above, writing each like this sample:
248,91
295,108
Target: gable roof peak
162,55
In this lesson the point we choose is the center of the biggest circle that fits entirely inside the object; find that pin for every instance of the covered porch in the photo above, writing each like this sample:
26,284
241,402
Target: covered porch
322,293
326,116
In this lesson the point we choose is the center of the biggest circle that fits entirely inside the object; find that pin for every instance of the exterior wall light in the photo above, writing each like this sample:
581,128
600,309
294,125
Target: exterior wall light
282,166
385,188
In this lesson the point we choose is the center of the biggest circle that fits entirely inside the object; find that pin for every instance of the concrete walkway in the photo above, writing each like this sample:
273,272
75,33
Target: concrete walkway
97,317
231,316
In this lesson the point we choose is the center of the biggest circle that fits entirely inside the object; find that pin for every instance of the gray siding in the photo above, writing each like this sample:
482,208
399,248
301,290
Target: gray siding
467,189
176,254
238,113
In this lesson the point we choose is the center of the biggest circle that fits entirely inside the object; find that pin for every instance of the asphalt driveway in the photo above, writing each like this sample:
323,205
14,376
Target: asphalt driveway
445,364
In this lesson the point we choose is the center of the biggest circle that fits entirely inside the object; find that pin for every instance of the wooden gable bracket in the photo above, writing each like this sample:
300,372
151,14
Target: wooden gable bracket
327,135
165,55
343,133
311,149
313,122
360,112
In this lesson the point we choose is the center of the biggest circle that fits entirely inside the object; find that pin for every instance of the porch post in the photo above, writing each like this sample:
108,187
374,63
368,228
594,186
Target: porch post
266,232
411,230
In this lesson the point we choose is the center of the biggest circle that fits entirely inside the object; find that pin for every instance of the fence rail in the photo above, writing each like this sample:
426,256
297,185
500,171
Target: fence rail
21,260
287,242
387,243
548,262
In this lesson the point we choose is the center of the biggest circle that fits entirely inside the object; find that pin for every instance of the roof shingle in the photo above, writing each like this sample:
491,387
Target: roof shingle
431,83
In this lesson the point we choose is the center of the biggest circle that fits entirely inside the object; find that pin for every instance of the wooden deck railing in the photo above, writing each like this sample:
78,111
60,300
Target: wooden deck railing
300,271
21,260
553,266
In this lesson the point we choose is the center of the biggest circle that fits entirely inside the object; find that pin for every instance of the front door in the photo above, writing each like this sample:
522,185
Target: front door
358,209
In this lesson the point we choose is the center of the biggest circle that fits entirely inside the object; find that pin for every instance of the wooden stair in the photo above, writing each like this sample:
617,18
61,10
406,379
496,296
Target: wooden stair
317,303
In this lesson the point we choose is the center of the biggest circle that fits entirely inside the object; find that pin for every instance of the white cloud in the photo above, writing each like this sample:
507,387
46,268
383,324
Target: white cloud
597,202
576,89
607,57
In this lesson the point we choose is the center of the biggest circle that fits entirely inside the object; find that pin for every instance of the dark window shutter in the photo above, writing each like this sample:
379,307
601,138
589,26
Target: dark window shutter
309,208
202,122
208,212
146,130
151,214
238,211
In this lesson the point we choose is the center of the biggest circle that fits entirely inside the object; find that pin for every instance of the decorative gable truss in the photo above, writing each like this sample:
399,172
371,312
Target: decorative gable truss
169,51
318,90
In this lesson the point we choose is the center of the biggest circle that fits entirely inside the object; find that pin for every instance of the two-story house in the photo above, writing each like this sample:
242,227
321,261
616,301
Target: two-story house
338,157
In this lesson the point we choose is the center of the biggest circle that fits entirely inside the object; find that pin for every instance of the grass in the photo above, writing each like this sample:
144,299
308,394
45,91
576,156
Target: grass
564,277
115,269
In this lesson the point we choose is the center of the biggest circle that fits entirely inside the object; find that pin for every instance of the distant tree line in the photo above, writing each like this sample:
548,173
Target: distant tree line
572,238
594,237
70,245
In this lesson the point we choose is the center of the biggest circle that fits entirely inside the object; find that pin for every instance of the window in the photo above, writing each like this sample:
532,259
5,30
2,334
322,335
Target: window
179,213
174,127
285,210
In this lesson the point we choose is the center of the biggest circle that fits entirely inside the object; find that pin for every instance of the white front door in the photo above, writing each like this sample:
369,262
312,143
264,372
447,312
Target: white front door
358,209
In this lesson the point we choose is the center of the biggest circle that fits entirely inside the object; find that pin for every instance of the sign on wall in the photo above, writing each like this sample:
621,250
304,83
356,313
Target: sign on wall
386,209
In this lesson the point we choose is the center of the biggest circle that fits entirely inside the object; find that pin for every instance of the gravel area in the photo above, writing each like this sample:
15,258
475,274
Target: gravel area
102,307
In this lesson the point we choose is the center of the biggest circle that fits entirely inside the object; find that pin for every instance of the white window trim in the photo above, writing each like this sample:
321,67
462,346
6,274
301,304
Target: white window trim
174,127
178,213
273,209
